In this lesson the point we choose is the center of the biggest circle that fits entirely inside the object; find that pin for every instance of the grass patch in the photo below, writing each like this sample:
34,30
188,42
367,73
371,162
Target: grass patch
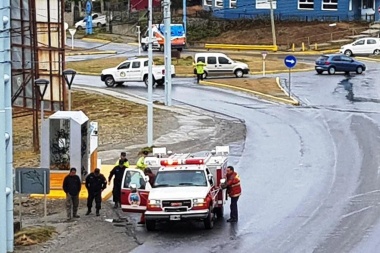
34,235
184,64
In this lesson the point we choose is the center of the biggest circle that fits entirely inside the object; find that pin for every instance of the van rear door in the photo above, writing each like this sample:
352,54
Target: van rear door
134,191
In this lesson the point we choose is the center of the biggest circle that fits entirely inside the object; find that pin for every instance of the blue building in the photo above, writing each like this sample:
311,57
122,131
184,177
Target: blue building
303,10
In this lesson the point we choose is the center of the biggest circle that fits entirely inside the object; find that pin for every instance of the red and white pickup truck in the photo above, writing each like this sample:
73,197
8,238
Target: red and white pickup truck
186,187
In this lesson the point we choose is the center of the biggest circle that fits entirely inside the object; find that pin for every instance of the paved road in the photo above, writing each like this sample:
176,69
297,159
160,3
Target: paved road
309,174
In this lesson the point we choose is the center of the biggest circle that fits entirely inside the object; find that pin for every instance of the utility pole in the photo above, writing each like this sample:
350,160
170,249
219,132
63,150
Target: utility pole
150,76
184,11
168,53
6,142
272,22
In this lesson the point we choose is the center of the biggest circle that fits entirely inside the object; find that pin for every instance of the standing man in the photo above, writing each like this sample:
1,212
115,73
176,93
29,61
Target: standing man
200,70
71,186
95,184
118,173
234,191
123,157
141,162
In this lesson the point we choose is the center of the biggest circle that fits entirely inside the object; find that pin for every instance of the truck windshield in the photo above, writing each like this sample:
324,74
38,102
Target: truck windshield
180,178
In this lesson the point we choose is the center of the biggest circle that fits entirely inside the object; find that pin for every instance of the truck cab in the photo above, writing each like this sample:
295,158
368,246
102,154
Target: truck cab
187,187
178,37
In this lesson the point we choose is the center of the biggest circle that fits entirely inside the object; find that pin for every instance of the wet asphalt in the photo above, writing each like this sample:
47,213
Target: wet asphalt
310,174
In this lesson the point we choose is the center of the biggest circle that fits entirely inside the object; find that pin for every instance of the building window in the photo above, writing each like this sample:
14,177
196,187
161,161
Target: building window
207,2
265,4
368,4
218,3
306,4
330,5
232,3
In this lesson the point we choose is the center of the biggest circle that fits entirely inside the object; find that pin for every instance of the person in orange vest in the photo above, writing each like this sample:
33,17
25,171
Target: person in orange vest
234,191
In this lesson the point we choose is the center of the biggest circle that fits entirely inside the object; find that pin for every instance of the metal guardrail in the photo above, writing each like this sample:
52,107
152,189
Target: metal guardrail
242,47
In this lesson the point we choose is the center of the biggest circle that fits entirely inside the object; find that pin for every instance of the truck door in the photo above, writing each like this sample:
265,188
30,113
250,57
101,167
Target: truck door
135,71
134,200
122,72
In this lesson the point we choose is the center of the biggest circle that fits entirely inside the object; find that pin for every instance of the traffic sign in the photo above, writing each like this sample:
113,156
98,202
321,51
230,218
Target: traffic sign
290,61
264,54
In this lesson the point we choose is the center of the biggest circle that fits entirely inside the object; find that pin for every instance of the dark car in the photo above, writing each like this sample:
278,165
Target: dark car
338,63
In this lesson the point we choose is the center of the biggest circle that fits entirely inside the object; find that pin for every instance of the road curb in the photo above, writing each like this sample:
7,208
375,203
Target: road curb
270,97
367,59
96,40
296,102
280,71
91,53
96,74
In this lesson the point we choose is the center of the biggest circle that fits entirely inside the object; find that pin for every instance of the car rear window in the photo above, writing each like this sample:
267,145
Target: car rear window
322,58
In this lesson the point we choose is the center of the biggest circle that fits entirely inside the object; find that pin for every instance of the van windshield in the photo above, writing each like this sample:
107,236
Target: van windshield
180,178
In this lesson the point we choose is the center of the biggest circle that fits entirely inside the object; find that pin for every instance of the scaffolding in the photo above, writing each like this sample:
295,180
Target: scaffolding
38,51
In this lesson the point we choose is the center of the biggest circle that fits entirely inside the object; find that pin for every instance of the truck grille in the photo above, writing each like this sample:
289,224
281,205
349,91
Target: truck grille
179,209
176,203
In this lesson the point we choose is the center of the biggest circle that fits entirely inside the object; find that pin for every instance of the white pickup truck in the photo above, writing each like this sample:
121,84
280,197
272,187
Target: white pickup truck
97,21
134,70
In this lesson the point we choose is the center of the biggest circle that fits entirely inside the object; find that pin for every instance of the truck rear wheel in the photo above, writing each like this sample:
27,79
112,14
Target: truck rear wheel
209,221
109,81
146,81
162,48
150,225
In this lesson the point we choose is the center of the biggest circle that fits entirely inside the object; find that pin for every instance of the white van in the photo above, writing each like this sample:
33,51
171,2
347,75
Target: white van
219,64
362,46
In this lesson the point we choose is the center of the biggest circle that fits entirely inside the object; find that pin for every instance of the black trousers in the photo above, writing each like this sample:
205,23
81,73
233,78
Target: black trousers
234,208
116,192
199,77
97,196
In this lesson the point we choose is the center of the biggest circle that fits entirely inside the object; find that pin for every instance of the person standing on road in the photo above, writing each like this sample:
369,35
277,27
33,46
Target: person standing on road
200,70
148,172
141,162
123,157
95,184
72,186
117,172
234,191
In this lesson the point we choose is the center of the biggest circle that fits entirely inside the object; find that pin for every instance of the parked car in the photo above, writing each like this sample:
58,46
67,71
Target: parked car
219,64
333,63
362,46
97,21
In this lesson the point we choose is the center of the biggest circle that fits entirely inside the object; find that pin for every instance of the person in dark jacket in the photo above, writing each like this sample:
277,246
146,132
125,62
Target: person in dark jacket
95,184
148,172
234,191
72,186
117,172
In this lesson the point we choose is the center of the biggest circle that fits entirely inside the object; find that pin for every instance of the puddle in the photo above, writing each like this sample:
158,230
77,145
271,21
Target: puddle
349,88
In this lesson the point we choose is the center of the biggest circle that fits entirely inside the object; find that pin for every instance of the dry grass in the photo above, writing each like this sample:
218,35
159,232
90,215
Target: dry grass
121,123
184,65
33,235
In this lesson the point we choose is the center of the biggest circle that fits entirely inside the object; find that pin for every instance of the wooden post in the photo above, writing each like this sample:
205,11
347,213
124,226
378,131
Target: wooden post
94,160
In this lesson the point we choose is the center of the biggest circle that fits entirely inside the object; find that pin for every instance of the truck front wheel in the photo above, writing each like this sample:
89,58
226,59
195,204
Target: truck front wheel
219,212
144,47
209,221
109,81
150,225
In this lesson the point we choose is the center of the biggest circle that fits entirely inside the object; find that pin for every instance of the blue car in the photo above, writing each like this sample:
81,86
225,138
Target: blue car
338,63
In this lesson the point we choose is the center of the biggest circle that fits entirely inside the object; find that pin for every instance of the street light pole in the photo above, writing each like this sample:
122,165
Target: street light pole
272,22
42,85
150,76
69,75
168,53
